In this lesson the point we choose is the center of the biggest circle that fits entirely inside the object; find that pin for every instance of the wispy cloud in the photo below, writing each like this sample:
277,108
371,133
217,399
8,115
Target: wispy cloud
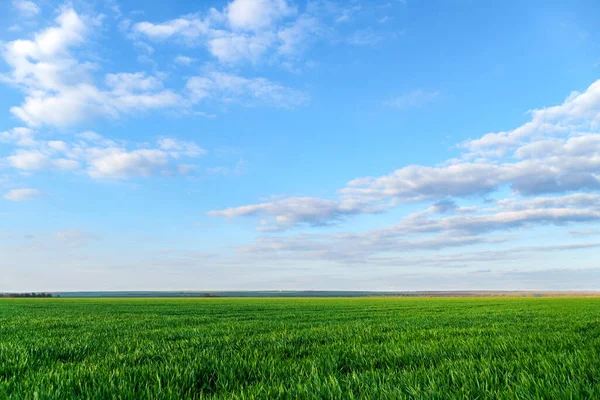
229,88
26,8
26,194
413,99
75,238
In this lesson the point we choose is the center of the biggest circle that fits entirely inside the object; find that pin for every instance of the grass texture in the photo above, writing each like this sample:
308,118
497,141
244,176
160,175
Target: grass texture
358,348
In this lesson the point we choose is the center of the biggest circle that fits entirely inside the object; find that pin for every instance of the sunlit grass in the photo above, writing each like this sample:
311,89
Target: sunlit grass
300,348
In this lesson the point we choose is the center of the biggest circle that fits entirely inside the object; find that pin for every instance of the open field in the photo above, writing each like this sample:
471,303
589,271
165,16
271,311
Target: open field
436,348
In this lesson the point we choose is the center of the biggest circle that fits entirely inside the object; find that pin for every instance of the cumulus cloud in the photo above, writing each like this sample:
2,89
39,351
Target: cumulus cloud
19,136
25,194
119,163
243,31
60,89
257,14
579,112
189,27
550,155
33,160
102,158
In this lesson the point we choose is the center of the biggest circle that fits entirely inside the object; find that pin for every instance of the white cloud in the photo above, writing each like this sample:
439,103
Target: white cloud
557,157
229,88
294,37
35,160
22,194
245,30
60,89
576,200
579,112
416,232
26,8
257,14
189,27
20,136
119,164
177,147
232,48
29,160
46,62
294,211
126,83
102,158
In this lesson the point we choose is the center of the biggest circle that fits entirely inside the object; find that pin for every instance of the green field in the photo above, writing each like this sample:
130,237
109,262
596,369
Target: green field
509,348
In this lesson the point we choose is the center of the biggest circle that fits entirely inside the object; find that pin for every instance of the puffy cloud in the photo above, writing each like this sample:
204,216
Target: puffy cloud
46,63
570,169
417,183
257,14
580,111
34,160
556,153
22,194
189,27
229,88
118,163
19,136
29,160
244,30
60,89
233,47
102,158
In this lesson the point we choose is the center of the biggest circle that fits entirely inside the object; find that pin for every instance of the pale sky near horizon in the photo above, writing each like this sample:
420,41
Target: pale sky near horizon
280,144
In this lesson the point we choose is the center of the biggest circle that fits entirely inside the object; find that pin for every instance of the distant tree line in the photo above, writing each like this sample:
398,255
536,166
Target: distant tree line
32,294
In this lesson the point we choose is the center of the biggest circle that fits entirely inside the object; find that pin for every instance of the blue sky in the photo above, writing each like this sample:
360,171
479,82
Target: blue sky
279,144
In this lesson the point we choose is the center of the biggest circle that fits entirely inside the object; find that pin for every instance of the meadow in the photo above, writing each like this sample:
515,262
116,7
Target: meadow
356,348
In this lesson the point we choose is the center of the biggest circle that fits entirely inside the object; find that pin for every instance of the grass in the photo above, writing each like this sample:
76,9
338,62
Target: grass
375,348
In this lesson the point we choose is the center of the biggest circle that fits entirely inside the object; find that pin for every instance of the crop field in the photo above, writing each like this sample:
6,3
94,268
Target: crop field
375,348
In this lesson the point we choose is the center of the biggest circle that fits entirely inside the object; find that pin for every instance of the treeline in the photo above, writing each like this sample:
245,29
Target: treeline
25,294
